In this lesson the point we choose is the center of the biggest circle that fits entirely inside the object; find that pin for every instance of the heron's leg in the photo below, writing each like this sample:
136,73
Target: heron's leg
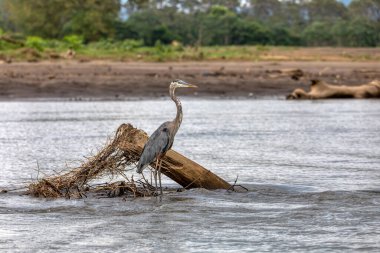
159,176
155,175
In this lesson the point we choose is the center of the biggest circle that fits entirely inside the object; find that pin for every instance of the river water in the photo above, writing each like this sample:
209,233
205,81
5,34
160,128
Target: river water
312,169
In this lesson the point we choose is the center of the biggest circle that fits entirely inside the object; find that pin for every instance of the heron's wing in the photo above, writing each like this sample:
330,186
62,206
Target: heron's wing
158,143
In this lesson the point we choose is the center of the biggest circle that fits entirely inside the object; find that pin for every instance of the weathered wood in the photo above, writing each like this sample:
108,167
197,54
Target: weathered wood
179,168
322,90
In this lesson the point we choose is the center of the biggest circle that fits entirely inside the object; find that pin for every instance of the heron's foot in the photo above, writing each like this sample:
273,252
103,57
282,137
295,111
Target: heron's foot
158,192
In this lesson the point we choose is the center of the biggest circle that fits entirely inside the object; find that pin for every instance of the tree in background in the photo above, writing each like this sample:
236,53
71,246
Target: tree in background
92,19
219,24
326,10
281,35
318,34
199,22
150,26
368,9
266,10
2,15
294,15
363,32
250,33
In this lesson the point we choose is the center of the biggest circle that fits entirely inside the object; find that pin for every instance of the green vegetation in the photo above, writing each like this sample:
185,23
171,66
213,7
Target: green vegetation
175,30
37,49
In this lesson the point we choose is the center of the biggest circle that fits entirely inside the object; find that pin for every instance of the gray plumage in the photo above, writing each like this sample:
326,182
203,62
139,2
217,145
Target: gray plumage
158,144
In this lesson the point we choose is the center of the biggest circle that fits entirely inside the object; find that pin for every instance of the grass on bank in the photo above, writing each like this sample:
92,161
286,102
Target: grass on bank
34,49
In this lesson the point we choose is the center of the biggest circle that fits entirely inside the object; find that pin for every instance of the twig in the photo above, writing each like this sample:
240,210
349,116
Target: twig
232,187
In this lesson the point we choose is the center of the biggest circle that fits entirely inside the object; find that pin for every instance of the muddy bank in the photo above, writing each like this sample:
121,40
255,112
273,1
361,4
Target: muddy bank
113,80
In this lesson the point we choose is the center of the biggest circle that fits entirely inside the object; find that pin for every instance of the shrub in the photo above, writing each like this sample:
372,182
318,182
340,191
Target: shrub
104,44
35,42
74,41
131,44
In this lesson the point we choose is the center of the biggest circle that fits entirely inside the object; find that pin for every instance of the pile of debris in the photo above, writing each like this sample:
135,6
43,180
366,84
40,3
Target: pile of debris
121,152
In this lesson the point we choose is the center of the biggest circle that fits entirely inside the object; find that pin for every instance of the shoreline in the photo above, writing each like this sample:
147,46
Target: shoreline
113,81
134,99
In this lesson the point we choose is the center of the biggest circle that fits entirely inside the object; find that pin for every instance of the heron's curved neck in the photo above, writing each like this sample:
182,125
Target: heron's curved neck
178,119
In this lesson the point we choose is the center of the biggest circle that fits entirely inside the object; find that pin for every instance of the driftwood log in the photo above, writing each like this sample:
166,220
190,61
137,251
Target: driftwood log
322,90
123,152
180,169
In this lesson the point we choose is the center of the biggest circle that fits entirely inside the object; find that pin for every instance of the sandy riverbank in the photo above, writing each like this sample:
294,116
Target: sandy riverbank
117,80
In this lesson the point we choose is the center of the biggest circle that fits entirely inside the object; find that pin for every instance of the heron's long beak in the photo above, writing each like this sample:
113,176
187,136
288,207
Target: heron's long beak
190,86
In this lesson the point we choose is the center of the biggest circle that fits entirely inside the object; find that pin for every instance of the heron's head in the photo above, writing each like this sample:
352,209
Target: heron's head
181,84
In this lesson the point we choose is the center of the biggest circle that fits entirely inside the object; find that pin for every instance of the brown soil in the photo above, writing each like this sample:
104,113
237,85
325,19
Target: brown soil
116,80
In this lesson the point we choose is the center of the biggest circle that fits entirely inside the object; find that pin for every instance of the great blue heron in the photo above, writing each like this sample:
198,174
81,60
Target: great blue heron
162,139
